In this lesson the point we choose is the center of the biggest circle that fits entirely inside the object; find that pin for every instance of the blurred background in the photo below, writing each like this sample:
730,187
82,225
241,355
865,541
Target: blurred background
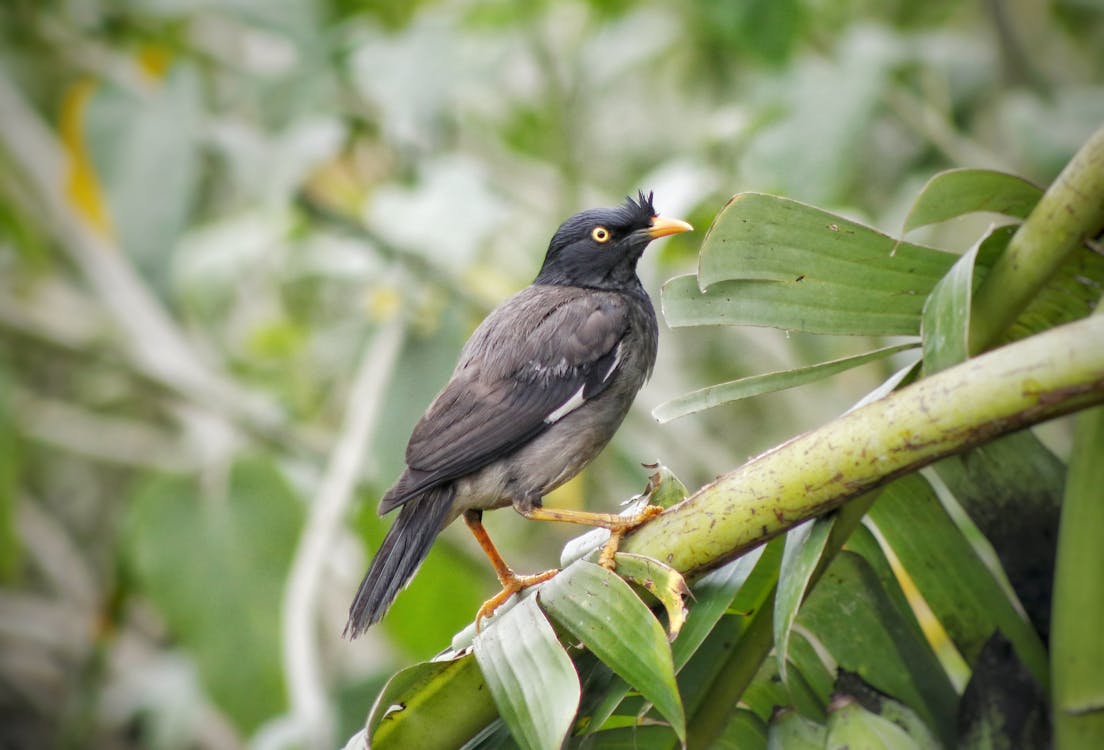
241,244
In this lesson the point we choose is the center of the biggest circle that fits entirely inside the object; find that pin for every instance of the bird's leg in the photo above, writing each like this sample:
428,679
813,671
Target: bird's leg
511,581
618,525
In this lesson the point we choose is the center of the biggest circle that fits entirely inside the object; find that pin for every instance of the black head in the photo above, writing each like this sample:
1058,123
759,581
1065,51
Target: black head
600,247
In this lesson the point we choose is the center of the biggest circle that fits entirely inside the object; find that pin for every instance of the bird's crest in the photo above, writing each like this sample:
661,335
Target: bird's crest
639,211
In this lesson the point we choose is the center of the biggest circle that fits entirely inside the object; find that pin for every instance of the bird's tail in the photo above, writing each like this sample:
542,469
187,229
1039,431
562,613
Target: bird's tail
404,548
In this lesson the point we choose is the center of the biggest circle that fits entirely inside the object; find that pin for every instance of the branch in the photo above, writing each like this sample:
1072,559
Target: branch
1044,376
1069,213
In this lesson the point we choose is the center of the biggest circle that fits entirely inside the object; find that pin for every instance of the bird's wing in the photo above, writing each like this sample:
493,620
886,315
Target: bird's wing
522,372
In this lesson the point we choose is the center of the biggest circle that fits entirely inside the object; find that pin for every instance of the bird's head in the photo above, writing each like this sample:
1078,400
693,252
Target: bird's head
599,248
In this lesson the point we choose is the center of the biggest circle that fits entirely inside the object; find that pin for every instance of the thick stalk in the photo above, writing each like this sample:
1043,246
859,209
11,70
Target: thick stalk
1077,650
1016,386
1071,211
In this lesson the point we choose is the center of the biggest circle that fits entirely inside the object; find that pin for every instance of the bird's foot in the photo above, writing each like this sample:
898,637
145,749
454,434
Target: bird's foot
511,584
605,559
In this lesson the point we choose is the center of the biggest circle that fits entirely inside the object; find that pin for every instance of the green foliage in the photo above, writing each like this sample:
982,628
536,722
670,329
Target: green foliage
530,676
1077,649
605,615
754,385
962,191
215,568
965,595
858,611
804,546
449,687
771,261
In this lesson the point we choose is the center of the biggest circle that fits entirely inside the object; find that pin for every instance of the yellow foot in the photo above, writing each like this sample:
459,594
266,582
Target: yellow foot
510,586
606,558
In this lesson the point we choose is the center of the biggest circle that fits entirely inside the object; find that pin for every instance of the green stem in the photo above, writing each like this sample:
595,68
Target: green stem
1077,650
1013,387
1071,211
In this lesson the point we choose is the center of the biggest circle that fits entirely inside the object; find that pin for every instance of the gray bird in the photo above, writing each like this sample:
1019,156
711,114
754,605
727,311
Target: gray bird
541,387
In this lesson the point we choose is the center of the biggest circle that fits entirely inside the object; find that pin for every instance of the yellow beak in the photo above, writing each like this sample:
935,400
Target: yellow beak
662,227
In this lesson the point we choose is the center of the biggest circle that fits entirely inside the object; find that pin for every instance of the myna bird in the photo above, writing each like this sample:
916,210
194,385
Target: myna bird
541,386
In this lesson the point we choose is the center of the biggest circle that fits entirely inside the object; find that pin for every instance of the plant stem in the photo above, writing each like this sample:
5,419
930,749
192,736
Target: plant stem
1071,211
1016,386
1077,650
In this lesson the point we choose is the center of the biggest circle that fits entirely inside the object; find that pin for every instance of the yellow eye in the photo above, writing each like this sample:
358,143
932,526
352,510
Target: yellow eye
600,234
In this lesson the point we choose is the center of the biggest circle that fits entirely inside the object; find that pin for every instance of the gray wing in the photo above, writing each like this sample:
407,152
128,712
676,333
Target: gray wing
533,361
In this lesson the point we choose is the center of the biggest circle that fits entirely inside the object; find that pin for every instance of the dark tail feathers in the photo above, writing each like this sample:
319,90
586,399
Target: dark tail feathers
407,543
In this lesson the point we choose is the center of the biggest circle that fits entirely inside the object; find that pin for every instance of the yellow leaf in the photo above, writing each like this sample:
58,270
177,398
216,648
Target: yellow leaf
82,186
154,61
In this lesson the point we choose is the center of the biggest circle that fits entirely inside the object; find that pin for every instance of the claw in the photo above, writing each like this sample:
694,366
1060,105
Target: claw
511,584
610,549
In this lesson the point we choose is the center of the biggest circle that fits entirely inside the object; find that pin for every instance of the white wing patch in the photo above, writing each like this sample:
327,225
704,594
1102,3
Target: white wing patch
577,399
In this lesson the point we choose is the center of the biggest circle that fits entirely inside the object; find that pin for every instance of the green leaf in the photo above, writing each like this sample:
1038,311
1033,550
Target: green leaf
789,730
603,693
664,488
494,736
602,611
817,671
755,385
790,306
749,579
744,731
945,325
724,669
962,191
956,584
849,686
661,581
1073,293
530,676
214,565
408,711
766,690
905,376
1011,488
802,554
775,262
865,632
852,726
633,738
715,592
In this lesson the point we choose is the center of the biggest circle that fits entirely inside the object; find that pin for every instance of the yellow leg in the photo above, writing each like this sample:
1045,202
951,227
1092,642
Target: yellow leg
617,525
511,582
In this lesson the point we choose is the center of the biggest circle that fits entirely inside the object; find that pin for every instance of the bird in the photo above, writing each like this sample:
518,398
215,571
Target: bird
540,388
